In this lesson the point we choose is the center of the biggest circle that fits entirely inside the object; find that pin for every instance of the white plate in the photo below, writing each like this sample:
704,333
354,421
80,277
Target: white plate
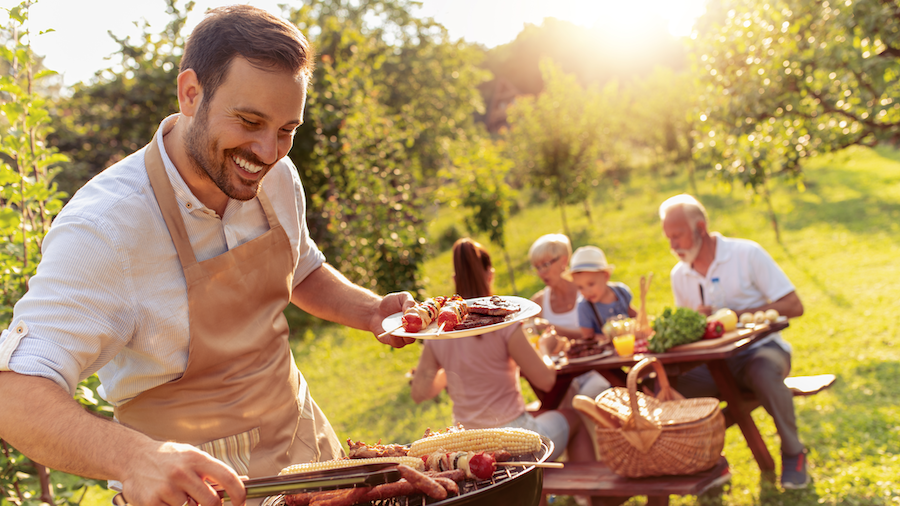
527,310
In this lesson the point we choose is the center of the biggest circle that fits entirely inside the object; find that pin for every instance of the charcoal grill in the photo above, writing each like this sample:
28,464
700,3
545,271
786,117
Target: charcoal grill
508,486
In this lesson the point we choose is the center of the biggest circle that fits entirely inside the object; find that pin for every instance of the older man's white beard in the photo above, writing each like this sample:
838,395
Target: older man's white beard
688,255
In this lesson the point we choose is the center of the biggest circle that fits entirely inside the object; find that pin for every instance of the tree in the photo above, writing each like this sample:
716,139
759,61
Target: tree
389,95
477,180
662,116
118,112
783,80
29,200
559,138
28,197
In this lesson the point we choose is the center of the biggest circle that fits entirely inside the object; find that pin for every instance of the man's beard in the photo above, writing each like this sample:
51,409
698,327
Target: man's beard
203,151
691,253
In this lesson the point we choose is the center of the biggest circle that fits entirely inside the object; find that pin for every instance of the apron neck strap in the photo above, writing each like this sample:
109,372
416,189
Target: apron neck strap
165,197
267,208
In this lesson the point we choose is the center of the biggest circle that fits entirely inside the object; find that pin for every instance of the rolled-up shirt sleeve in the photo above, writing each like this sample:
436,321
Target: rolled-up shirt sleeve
77,312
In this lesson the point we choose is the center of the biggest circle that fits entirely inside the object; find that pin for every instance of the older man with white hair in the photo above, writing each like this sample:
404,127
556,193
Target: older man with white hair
747,280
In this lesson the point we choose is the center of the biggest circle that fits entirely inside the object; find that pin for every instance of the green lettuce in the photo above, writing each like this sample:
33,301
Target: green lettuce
681,326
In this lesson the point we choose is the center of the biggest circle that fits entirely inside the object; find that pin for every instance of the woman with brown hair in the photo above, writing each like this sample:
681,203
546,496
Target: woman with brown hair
481,373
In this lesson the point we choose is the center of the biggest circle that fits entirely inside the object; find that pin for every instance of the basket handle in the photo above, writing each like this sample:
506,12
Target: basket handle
637,430
666,392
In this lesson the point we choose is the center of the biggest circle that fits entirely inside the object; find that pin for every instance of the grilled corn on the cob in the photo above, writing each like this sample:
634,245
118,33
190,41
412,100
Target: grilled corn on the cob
413,462
515,441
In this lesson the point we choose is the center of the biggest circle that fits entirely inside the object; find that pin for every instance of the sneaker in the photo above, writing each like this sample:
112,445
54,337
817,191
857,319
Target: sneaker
793,471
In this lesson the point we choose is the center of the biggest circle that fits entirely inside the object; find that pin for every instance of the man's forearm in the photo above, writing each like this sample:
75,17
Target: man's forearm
42,421
327,294
790,305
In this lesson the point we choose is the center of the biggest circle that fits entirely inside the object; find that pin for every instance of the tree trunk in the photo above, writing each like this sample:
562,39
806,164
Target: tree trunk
561,202
772,216
509,267
692,172
587,211
565,224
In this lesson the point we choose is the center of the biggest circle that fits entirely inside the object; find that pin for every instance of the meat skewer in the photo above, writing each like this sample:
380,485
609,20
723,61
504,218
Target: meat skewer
453,313
479,465
422,314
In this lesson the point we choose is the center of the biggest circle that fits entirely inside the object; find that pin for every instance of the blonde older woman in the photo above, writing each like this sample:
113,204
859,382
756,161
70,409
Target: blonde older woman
558,299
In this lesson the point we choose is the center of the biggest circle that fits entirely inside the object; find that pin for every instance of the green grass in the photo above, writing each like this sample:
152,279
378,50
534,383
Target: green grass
841,248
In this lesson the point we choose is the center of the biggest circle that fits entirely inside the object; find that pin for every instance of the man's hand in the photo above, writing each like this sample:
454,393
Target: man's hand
390,304
175,474
705,310
44,422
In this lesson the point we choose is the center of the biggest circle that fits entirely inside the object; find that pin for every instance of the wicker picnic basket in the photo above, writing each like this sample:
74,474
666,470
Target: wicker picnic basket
640,435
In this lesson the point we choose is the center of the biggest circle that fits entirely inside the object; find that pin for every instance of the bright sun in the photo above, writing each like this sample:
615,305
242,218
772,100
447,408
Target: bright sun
627,17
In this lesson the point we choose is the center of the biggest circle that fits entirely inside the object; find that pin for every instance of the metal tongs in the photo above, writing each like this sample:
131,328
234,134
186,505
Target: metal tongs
345,477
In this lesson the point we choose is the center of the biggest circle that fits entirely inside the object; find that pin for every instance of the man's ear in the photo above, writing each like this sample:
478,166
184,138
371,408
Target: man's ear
701,226
190,93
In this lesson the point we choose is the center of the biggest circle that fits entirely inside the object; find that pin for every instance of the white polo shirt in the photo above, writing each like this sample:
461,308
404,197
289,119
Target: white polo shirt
110,296
748,278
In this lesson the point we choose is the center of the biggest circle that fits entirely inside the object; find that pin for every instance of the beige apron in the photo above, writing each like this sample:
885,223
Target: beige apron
240,398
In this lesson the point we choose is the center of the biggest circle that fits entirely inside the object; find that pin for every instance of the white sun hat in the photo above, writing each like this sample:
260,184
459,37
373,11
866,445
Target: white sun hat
589,259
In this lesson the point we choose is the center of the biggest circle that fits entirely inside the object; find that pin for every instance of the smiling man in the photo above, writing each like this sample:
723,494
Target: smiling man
749,281
167,275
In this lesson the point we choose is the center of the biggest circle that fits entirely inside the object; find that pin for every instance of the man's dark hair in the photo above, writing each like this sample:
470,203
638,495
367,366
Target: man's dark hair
266,41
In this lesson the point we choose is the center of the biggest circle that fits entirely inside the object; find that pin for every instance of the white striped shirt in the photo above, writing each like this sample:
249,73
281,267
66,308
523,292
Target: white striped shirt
109,295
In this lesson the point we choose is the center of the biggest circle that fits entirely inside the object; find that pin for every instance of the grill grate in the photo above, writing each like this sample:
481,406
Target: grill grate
469,489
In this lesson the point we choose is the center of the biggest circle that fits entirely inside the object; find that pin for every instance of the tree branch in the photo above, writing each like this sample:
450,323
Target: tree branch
891,52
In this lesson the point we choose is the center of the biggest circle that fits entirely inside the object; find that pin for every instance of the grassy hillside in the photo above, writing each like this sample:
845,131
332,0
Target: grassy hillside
841,244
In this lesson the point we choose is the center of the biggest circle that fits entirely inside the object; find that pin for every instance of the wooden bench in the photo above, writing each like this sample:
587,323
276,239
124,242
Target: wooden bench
800,386
607,488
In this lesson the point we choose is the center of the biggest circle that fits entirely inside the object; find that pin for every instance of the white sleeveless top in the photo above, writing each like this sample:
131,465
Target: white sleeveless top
569,319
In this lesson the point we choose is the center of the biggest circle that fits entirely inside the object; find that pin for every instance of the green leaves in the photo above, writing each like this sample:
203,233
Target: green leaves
117,113
787,79
25,182
28,202
561,137
387,102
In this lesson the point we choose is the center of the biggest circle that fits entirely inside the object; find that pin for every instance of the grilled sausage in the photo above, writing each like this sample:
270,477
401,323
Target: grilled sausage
449,485
455,474
305,498
345,497
423,483
388,490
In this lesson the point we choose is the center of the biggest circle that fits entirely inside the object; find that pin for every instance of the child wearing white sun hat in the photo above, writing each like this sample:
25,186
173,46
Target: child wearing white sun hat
602,299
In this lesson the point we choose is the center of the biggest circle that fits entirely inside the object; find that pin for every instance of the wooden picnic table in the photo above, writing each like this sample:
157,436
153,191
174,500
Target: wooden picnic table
678,362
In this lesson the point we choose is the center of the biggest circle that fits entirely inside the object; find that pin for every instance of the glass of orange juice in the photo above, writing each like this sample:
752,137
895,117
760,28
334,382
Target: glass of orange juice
624,344
531,333
624,340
